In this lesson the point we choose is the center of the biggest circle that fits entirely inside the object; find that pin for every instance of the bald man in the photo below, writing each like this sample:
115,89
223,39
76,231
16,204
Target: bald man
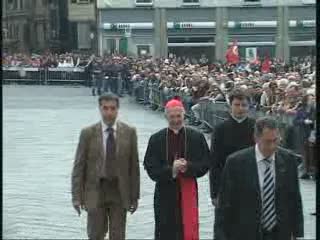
176,156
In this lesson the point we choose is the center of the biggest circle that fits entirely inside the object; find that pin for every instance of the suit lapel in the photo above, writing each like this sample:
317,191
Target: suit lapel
255,175
100,140
280,172
119,138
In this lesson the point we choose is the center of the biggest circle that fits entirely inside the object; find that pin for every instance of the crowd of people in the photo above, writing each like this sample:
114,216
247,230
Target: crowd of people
285,88
48,59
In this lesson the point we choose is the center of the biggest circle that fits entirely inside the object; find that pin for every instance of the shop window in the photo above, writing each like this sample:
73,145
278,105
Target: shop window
12,4
251,2
111,46
83,1
144,2
307,2
5,33
191,2
143,50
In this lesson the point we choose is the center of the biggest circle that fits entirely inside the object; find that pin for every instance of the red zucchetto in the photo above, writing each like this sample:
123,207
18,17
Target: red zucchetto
174,103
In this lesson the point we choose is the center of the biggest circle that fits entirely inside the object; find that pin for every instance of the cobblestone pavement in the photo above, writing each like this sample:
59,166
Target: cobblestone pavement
41,130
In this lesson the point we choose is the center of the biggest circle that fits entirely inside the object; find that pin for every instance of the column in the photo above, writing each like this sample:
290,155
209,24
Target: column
282,41
117,45
222,37
100,32
160,33
131,47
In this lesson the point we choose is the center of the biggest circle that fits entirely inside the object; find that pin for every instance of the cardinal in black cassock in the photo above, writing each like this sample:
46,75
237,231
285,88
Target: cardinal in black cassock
175,157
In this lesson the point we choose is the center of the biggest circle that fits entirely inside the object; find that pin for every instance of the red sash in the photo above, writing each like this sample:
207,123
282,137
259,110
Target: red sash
189,206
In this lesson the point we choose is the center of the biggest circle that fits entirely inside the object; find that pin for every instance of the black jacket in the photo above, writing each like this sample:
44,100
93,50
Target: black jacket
240,200
227,138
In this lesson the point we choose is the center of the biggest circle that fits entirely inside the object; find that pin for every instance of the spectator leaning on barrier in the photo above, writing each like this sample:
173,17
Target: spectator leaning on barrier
305,118
199,92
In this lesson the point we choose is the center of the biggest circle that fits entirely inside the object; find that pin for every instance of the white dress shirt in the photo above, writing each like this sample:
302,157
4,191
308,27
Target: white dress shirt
262,167
105,134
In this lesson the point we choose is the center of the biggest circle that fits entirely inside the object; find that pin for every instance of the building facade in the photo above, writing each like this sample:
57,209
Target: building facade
33,25
82,24
282,28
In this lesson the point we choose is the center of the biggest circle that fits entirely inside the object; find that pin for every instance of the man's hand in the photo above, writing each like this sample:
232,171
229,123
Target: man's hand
180,165
177,165
184,165
77,206
133,207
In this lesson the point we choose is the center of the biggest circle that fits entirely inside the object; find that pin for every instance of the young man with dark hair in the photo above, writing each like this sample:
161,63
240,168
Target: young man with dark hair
105,175
233,134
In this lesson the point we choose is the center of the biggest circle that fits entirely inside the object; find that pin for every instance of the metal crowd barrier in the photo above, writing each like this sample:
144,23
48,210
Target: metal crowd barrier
44,76
67,75
22,75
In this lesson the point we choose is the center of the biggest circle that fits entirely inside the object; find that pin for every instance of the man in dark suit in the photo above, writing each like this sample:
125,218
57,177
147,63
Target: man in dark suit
232,135
260,197
105,176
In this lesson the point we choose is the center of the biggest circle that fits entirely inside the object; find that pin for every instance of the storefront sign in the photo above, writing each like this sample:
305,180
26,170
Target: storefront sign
120,26
301,24
206,25
255,24
177,25
190,25
309,23
245,25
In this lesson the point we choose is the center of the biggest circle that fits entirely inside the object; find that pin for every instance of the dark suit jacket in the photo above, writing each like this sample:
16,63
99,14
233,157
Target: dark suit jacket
240,199
227,138
88,161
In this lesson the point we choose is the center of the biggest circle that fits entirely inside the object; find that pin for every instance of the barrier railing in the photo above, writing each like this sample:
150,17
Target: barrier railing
45,76
25,75
70,75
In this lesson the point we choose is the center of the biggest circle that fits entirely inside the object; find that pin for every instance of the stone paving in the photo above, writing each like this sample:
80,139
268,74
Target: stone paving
41,130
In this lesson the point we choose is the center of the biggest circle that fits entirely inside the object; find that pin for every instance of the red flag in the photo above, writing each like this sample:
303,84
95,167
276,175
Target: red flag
232,54
265,68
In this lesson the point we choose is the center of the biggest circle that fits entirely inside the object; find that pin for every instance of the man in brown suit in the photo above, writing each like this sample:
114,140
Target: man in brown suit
105,176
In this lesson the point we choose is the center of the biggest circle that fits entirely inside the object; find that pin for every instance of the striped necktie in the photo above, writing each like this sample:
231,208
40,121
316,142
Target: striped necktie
268,219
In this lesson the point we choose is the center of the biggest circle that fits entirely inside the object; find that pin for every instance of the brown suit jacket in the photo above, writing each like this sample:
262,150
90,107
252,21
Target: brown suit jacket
89,157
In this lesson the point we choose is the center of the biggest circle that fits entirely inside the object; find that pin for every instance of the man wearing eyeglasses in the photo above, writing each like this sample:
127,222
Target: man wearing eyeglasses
260,197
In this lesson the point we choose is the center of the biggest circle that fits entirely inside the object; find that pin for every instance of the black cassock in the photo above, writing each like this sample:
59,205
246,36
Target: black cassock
163,147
